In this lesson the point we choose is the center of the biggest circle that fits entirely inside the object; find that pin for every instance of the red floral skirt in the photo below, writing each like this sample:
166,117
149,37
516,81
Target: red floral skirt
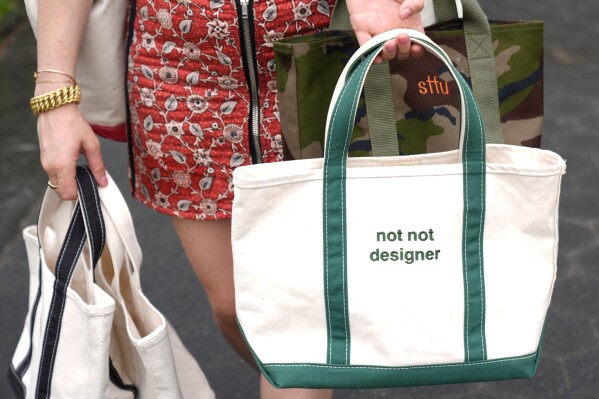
193,99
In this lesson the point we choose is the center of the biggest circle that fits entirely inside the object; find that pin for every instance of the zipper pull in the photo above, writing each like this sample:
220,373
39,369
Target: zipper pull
244,8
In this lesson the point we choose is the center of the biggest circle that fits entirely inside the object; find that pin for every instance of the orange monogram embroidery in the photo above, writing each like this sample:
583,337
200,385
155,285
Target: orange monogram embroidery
433,86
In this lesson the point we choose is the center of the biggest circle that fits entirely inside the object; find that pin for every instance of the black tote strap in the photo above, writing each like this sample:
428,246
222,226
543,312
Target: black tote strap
89,199
86,220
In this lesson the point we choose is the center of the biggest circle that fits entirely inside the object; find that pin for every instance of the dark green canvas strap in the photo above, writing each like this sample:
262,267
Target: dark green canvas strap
335,225
379,99
481,62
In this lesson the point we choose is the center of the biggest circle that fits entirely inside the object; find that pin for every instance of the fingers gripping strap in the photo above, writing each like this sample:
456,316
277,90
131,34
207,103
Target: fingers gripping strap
377,93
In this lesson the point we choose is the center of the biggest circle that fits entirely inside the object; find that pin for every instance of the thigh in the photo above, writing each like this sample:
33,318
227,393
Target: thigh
207,245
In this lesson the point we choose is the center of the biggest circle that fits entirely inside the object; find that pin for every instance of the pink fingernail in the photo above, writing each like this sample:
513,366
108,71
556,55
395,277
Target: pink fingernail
103,181
404,40
405,14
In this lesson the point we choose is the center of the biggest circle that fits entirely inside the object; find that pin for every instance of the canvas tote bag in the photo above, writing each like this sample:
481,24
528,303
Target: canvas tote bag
147,352
101,66
88,340
396,271
503,60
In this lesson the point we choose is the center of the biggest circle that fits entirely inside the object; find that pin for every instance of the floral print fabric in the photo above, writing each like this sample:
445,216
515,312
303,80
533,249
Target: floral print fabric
189,100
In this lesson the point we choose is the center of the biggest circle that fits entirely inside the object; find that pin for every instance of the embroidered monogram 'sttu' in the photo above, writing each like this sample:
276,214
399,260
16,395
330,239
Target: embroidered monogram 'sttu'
202,96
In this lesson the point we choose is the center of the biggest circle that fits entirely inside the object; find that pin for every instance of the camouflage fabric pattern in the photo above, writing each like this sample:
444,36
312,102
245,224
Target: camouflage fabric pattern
425,99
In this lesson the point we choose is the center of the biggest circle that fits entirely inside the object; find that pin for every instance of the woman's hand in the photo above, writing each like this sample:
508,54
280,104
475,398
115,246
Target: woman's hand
63,134
371,17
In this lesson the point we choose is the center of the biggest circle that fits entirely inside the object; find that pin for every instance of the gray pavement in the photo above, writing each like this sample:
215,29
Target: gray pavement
569,367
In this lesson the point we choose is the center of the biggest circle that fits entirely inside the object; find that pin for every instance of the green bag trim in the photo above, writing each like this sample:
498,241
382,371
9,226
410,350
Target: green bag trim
474,164
335,224
316,375
364,376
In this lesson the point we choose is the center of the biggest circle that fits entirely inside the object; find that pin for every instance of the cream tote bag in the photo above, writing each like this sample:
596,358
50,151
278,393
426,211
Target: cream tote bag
102,339
101,66
396,271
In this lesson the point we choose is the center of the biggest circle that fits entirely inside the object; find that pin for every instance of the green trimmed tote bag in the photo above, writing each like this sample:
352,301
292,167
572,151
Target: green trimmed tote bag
401,270
502,60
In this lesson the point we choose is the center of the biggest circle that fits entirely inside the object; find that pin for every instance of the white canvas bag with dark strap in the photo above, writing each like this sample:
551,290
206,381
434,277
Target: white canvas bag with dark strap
64,348
102,339
400,270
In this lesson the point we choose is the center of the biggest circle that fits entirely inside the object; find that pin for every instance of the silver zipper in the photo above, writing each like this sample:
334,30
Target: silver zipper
253,79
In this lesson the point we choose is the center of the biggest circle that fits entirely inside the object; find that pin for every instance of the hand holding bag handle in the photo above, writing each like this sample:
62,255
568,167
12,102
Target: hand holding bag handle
86,224
472,156
481,61
377,90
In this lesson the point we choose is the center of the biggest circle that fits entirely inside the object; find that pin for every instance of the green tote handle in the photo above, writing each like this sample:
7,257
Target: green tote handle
481,60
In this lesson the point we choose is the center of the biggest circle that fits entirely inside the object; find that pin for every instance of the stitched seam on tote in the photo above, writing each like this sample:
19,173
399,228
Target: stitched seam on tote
327,222
465,230
479,45
406,368
480,238
343,170
39,376
329,139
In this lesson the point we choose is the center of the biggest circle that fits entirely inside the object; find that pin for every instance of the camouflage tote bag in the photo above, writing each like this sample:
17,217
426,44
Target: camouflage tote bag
357,276
424,96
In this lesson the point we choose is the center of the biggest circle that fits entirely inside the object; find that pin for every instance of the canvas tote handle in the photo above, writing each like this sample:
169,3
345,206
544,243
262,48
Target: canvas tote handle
86,223
481,62
472,149
122,241
445,10
377,91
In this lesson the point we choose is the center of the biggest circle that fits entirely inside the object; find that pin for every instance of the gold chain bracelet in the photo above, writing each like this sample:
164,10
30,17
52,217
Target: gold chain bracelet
54,99
56,81
36,74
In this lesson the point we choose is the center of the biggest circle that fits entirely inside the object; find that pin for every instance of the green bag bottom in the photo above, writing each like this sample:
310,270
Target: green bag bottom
354,376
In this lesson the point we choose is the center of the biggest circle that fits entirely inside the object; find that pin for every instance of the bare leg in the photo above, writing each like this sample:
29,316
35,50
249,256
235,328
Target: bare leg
268,392
207,245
